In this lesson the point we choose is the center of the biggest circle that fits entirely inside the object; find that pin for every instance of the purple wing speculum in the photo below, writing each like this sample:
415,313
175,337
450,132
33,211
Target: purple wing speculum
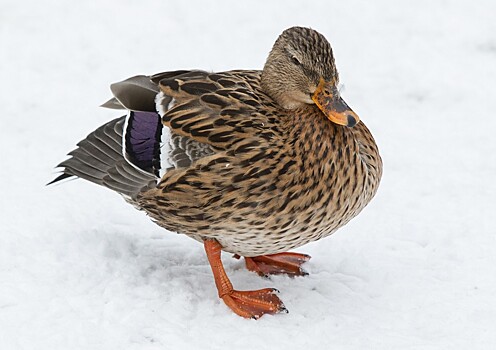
142,140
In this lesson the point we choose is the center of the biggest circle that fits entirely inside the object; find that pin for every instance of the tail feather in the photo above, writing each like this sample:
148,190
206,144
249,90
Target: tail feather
121,173
78,167
61,177
109,136
99,159
99,149
87,161
122,184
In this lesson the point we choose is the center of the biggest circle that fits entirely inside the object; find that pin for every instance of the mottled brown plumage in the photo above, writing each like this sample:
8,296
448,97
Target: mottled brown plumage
278,179
262,169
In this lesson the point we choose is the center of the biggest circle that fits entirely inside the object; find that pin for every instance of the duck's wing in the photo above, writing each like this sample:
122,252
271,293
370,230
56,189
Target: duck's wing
221,110
199,114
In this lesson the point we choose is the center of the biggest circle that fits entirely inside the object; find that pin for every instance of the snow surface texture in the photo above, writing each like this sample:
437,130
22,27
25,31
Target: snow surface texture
81,269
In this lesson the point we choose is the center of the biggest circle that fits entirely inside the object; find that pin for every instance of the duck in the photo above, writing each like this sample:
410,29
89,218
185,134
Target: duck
251,162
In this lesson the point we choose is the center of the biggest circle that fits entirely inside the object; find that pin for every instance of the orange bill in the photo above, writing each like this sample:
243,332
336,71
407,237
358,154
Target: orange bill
327,98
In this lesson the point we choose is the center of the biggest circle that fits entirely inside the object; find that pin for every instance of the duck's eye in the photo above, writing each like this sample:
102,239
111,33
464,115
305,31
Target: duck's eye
295,60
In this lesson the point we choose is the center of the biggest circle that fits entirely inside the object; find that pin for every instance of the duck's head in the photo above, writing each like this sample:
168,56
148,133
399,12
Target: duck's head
300,71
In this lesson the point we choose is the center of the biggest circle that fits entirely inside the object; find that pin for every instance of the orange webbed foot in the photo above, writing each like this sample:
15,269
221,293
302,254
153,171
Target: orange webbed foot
249,304
276,264
254,303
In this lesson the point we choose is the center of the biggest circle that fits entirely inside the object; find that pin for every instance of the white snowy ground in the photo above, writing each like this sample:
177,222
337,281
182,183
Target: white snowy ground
80,269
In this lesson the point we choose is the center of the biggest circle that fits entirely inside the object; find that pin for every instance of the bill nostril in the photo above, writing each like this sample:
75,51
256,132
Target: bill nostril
351,121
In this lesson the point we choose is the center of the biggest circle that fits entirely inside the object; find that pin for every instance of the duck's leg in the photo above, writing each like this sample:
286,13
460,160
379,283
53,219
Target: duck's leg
276,264
249,304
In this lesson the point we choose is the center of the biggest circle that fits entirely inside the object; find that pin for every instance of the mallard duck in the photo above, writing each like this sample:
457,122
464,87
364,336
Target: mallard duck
250,162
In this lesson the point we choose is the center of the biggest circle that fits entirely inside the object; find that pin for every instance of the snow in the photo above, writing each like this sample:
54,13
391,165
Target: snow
81,269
